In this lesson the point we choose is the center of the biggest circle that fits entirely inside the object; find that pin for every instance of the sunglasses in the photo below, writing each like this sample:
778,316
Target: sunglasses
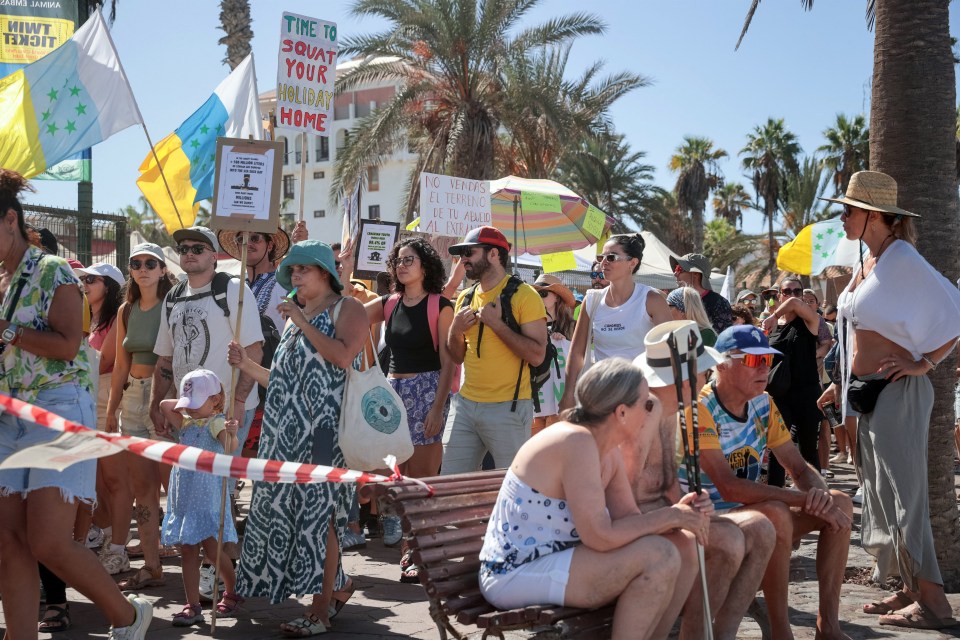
88,279
406,261
847,211
596,275
256,237
195,249
791,292
754,360
149,263
468,253
544,293
610,257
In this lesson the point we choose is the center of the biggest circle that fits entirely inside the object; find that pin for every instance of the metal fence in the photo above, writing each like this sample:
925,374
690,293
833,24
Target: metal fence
89,238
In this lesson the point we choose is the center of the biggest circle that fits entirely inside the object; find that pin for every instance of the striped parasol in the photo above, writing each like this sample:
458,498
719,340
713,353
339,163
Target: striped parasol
543,216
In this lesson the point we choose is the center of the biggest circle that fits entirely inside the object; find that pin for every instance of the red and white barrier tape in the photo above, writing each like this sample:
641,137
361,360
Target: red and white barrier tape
196,459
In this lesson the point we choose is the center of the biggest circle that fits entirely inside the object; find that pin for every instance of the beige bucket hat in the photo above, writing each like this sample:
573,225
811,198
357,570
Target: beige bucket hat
874,191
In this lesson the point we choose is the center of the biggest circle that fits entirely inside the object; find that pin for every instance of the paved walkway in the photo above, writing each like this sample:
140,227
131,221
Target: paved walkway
384,608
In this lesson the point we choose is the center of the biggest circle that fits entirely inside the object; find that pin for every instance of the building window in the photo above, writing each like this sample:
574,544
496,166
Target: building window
288,187
374,212
299,147
323,148
318,175
320,213
373,179
286,150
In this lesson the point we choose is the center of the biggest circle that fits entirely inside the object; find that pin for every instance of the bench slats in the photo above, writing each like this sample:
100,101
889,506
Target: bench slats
445,570
453,586
450,535
446,503
435,520
448,552
469,616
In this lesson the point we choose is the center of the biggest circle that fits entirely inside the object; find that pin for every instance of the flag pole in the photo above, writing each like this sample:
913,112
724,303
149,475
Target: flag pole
163,176
303,169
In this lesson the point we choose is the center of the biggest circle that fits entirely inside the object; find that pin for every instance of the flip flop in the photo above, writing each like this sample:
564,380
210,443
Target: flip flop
917,616
898,601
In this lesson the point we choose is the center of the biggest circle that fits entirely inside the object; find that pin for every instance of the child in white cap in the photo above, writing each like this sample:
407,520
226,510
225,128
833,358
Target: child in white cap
193,503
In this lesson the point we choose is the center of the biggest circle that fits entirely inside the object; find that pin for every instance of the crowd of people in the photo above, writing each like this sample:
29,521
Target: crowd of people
596,505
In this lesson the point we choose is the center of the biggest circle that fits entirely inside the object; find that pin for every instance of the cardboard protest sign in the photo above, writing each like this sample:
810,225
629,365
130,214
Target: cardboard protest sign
452,206
246,185
306,71
376,240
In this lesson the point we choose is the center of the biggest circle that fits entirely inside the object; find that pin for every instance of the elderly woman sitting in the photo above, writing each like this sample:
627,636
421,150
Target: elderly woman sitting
566,530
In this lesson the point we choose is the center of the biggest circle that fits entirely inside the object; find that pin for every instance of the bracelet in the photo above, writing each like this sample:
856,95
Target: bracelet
933,365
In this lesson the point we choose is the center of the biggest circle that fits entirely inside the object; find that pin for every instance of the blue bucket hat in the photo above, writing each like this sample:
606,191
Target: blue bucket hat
309,252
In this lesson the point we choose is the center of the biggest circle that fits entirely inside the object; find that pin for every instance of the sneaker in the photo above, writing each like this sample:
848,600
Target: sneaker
392,531
94,537
114,561
849,458
858,496
138,630
840,458
353,540
207,574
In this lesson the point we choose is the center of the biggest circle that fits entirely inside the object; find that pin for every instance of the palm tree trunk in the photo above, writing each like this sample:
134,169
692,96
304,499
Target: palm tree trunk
697,220
912,138
768,207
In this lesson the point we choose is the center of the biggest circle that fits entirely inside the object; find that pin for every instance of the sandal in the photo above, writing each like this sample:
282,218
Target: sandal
917,616
169,551
229,604
308,625
143,578
60,621
136,551
192,614
409,572
897,601
338,602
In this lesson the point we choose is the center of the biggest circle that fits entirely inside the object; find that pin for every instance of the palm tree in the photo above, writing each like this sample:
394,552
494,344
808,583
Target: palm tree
610,176
802,205
729,201
695,162
235,22
770,155
451,59
144,219
664,219
847,149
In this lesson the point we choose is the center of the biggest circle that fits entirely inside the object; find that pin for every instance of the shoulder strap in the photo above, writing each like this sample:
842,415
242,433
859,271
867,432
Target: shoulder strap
506,306
173,297
389,306
221,281
433,318
467,297
21,283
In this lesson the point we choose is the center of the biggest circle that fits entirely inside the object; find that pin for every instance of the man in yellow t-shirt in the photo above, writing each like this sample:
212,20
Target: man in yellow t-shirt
494,410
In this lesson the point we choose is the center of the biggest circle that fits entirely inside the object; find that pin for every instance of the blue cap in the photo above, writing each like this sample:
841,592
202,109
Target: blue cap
745,338
309,252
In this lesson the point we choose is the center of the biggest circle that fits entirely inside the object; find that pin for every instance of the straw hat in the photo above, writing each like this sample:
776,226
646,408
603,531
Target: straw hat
873,191
228,241
553,284
655,361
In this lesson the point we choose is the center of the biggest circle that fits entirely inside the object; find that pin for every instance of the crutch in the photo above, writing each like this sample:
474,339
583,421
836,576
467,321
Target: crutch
691,453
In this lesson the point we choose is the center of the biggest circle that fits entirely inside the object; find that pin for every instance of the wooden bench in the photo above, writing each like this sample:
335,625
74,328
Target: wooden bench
446,533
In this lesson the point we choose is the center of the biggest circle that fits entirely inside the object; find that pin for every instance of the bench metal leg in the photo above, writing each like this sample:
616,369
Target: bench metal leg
492,632
443,623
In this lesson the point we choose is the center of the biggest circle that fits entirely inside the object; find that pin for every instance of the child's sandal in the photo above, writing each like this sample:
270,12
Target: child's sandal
192,614
229,604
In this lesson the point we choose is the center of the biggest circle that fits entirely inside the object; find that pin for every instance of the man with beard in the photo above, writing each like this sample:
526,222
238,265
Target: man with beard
494,410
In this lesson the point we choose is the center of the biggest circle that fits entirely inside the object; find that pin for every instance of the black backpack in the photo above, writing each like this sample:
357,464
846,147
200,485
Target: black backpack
539,373
218,289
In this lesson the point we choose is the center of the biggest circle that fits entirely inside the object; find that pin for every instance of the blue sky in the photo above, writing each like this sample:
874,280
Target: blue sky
802,66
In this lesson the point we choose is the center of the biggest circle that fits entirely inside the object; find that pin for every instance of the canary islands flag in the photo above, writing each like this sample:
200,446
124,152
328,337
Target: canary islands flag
818,246
188,154
72,98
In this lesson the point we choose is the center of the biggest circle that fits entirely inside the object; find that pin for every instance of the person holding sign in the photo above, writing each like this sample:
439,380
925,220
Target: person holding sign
613,321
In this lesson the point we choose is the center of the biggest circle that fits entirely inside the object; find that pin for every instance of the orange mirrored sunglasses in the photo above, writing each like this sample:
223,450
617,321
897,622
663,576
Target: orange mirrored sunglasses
754,360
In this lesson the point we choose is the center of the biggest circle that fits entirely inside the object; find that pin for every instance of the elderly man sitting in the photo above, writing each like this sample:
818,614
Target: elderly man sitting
737,422
741,542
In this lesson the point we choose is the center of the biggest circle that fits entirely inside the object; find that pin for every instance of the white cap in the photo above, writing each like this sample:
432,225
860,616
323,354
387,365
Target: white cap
197,387
104,270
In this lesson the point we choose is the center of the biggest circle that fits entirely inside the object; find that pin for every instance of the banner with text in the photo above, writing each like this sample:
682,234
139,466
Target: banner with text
306,71
453,206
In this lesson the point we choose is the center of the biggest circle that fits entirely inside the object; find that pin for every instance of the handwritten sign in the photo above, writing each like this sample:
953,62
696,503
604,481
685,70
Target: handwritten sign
594,221
306,72
560,261
453,206
532,201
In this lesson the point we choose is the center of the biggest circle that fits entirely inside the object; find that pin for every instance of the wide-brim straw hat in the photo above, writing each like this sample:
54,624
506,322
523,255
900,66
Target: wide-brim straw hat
553,284
873,191
655,361
229,241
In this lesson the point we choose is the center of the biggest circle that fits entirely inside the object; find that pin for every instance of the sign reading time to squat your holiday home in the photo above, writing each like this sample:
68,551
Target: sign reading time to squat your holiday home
306,71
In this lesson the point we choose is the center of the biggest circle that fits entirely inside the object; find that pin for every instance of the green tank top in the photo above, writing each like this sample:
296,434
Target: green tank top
142,329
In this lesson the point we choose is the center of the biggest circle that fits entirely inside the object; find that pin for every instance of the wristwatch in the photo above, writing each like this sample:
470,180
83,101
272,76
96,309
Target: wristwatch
9,334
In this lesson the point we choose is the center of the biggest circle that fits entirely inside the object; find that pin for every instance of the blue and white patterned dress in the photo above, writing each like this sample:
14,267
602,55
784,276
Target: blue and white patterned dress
285,542
193,501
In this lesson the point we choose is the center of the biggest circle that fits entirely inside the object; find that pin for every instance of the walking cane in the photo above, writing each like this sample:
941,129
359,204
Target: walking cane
691,454
245,240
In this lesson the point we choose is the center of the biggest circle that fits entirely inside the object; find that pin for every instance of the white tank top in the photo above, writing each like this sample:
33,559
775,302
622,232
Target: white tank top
619,331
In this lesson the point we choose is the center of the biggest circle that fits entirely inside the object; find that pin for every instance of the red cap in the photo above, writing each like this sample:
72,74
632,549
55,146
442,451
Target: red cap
481,236
75,264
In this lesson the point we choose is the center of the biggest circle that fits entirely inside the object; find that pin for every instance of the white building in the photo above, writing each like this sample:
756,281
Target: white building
383,193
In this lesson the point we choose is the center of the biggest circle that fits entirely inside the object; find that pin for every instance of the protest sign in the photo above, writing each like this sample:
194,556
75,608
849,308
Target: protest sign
531,201
594,221
306,71
246,185
376,240
452,206
559,261
552,391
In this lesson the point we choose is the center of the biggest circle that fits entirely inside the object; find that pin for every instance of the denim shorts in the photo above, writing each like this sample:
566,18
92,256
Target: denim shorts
135,409
78,481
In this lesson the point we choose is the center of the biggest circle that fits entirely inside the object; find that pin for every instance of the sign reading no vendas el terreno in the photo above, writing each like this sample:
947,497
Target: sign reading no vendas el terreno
306,71
453,206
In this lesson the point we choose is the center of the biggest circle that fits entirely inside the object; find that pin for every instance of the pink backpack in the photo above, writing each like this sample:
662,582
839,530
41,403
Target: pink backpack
433,319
